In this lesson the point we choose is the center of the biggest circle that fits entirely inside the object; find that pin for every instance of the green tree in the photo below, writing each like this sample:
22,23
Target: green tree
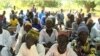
52,3
88,4
27,3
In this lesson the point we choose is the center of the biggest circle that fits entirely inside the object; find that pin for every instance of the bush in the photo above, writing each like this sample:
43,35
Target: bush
52,3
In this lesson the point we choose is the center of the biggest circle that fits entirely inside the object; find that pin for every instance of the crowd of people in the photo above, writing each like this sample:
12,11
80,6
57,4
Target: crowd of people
37,34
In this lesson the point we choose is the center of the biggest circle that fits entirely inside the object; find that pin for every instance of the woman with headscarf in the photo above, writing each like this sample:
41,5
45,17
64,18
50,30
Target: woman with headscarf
24,29
82,46
30,47
62,47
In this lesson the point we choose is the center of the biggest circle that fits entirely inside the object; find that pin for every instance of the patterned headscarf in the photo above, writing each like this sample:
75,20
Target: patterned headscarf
83,28
34,34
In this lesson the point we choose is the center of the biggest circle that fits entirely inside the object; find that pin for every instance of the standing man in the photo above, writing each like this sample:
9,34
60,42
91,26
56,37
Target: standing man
60,17
4,20
42,15
33,8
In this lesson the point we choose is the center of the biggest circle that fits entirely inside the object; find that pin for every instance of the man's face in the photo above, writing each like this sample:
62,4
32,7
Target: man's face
91,21
30,40
27,28
62,41
35,21
83,36
79,20
49,24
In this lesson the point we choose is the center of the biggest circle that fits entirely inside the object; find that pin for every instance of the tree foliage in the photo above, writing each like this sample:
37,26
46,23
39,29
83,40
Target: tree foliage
88,4
52,3
24,3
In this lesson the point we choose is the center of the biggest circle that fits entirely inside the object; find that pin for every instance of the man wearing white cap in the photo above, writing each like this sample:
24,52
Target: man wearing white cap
27,26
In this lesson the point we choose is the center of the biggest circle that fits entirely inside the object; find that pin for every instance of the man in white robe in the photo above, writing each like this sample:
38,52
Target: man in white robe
62,47
24,29
5,42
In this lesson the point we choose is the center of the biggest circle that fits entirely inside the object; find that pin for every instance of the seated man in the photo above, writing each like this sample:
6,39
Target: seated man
30,46
95,32
75,26
13,22
36,24
5,42
48,35
62,47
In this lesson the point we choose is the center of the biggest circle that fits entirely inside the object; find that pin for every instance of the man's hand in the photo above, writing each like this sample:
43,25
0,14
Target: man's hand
48,45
